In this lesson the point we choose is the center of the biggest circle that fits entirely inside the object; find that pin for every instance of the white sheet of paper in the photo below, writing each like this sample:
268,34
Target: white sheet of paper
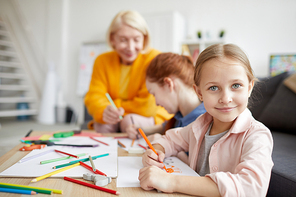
33,168
128,142
128,170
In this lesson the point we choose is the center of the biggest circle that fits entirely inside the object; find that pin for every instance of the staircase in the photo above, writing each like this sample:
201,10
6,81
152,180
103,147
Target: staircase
17,95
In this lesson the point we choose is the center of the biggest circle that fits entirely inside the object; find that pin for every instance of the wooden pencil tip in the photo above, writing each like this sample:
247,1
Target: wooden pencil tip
117,193
34,180
33,193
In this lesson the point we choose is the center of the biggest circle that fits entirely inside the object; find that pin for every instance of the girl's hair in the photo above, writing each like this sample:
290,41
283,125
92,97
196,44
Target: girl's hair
132,19
217,51
170,64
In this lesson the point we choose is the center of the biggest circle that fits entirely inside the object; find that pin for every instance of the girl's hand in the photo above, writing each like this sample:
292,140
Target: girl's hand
149,158
111,115
132,132
154,178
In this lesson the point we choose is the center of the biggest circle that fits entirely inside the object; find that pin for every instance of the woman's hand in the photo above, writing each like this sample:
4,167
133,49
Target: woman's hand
154,178
111,115
132,132
149,158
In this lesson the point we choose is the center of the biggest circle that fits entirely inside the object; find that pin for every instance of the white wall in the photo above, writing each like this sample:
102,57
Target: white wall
260,27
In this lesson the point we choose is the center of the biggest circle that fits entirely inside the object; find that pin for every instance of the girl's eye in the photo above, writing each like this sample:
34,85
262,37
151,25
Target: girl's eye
236,86
213,88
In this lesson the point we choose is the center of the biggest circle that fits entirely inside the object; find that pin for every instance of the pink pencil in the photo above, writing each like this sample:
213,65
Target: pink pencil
58,151
98,141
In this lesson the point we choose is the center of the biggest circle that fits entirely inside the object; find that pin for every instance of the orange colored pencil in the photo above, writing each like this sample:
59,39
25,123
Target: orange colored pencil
58,151
133,143
149,144
121,144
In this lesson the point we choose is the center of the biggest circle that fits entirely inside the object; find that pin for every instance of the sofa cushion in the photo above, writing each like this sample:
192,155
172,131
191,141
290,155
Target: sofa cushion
283,177
263,92
280,113
290,82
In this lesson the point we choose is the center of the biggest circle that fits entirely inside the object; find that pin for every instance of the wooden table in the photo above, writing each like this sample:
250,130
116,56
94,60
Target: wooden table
69,188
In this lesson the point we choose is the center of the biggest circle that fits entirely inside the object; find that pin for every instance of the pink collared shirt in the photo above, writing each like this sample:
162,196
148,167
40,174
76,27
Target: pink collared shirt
240,161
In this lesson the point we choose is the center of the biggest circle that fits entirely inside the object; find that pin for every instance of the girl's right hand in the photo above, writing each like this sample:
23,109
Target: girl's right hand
149,158
111,115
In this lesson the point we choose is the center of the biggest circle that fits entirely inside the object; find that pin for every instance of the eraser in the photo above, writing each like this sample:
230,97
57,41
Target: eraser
88,177
136,150
101,180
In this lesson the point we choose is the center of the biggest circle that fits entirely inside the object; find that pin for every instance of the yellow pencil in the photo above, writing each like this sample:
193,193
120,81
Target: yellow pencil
55,172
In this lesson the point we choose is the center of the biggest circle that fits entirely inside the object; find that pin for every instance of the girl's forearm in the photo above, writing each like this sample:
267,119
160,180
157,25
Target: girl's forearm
197,186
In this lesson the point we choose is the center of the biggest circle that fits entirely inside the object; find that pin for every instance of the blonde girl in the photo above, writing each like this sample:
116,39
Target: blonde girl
227,146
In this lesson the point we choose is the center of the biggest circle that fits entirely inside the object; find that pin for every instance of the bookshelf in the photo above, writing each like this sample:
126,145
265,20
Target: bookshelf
194,47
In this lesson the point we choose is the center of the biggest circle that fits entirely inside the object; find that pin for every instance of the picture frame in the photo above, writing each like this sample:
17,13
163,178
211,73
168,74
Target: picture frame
280,63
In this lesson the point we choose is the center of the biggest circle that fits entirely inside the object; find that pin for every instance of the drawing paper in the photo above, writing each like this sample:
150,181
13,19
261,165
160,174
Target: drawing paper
128,170
33,168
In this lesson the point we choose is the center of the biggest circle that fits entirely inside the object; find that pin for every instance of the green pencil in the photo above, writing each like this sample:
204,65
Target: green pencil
112,103
24,188
61,158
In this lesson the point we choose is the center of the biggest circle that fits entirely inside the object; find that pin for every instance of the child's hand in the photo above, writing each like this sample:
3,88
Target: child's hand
154,178
132,132
149,158
111,115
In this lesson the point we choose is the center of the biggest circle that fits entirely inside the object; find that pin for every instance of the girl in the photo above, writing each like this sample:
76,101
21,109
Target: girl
121,73
169,78
227,146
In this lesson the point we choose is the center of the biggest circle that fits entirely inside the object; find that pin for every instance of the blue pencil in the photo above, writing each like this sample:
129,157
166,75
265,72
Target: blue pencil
112,103
87,159
17,191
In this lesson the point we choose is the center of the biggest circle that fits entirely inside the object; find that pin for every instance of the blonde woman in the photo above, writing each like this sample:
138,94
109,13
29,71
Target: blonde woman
121,74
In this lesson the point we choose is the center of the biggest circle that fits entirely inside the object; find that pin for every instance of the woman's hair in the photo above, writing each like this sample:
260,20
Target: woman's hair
217,51
170,64
132,19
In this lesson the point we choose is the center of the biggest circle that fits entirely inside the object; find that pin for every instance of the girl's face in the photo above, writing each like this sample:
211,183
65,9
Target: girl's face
224,88
128,43
165,96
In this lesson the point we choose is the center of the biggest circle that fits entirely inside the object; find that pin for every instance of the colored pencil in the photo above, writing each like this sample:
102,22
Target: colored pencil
17,191
120,137
24,188
92,186
142,146
55,172
112,103
58,151
98,141
134,124
92,163
90,168
149,144
35,156
87,159
133,143
56,191
61,158
121,144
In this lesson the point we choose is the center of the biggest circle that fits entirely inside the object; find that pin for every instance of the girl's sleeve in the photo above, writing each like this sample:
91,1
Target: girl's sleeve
95,100
252,174
175,140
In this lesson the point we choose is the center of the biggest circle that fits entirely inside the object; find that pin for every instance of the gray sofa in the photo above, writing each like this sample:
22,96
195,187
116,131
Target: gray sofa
274,104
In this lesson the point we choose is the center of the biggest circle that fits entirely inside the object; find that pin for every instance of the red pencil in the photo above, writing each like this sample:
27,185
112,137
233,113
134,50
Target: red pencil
92,186
58,151
91,169
98,141
142,146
